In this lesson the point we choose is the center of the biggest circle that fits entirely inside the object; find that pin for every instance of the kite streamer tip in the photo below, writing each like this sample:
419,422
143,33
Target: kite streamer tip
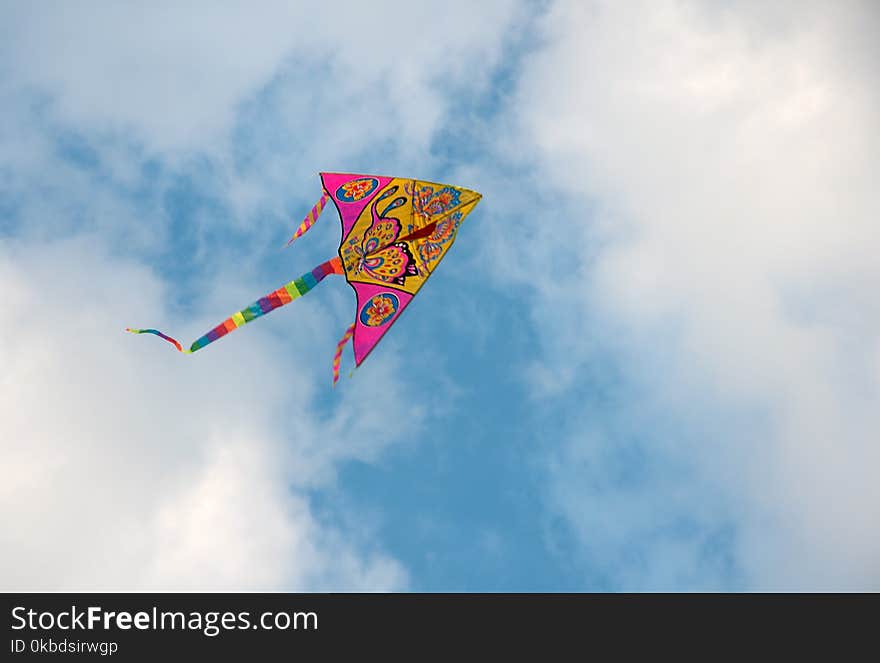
160,335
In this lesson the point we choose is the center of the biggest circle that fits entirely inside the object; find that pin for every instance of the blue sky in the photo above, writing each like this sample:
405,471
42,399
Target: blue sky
650,361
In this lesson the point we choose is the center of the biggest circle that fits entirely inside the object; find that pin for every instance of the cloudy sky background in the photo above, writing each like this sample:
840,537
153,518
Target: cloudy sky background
651,361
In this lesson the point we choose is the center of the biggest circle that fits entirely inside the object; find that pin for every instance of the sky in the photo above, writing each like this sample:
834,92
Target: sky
651,361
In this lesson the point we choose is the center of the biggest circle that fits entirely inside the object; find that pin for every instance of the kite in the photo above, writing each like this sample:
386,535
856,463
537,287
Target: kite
395,231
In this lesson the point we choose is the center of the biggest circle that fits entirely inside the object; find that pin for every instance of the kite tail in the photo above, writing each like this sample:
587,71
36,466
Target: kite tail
337,357
284,295
310,219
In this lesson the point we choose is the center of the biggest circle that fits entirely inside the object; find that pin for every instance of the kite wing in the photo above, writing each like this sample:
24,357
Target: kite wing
395,231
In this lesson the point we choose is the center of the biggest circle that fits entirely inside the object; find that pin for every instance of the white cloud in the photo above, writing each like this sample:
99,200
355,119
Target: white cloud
724,156
127,466
174,75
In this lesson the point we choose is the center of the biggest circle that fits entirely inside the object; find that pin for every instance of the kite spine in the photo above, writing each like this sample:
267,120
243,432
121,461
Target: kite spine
283,295
310,219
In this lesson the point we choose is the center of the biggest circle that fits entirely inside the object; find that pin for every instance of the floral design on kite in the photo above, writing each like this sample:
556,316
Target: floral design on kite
379,309
430,203
356,189
432,247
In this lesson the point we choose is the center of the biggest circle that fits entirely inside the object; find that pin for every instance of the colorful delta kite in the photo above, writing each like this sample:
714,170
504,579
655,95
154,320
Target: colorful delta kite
395,232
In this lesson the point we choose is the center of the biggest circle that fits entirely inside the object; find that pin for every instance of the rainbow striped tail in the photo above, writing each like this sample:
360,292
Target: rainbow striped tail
283,295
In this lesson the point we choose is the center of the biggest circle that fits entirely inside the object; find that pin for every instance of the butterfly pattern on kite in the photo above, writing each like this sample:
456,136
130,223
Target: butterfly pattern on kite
379,254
